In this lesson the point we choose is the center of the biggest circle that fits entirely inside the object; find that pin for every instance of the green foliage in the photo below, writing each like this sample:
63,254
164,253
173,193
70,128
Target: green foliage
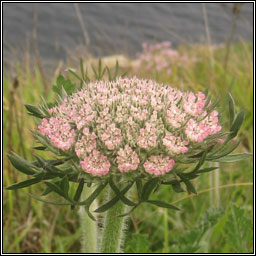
234,158
189,185
232,112
34,111
236,125
114,200
120,195
99,73
21,164
163,204
233,227
239,231
148,188
64,86
138,243
78,192
23,184
177,187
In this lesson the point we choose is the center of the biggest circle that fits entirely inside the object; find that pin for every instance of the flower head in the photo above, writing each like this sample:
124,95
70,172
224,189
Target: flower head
158,165
175,144
96,164
127,159
122,118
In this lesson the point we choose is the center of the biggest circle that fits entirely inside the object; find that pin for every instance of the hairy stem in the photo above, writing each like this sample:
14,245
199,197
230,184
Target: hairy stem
113,230
89,227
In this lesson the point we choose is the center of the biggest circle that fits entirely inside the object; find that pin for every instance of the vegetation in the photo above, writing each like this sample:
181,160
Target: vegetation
217,220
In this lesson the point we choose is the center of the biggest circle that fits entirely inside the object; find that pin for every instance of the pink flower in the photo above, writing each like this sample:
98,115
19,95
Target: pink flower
158,165
111,137
174,144
96,164
59,132
116,117
176,117
158,56
198,131
85,144
127,159
147,137
194,104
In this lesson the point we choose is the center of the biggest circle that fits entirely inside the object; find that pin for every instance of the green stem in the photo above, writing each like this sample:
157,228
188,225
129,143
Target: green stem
112,235
89,227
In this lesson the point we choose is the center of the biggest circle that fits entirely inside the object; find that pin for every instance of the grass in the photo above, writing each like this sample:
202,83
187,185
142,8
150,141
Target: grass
203,225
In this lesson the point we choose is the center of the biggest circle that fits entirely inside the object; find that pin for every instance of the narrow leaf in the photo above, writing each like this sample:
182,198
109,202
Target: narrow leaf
213,105
201,162
86,76
23,184
21,164
236,125
78,192
99,67
224,151
64,185
191,176
40,148
120,195
35,111
129,212
189,185
116,70
46,191
223,148
109,74
207,101
49,190
75,75
177,187
94,194
48,202
148,188
103,72
82,68
44,175
231,108
163,204
113,201
57,190
139,189
233,158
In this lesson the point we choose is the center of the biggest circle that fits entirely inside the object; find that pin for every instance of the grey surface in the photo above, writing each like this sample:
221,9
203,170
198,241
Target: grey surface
118,27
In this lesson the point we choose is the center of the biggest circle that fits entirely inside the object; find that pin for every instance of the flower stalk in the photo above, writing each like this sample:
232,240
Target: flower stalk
89,227
113,231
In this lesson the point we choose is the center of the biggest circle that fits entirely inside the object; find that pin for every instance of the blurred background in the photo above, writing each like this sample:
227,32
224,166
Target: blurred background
191,46
110,28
